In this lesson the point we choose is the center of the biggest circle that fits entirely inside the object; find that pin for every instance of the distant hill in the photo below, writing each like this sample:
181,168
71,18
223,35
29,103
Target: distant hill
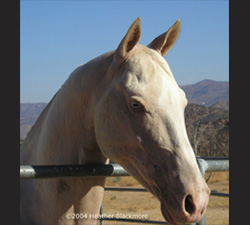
207,92
31,109
29,112
221,105
208,130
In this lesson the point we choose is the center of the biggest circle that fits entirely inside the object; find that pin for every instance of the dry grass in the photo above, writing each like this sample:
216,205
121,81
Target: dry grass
143,203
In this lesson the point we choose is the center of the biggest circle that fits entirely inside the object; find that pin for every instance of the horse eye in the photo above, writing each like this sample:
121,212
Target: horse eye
137,106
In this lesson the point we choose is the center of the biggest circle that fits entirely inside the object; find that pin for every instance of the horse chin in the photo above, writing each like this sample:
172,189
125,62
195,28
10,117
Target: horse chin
167,215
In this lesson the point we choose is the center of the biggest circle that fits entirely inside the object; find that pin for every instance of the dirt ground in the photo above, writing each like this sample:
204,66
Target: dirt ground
144,205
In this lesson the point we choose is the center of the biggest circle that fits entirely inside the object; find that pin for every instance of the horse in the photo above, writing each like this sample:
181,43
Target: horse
124,106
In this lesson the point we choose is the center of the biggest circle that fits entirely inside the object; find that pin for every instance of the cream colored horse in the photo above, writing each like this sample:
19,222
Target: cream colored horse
125,106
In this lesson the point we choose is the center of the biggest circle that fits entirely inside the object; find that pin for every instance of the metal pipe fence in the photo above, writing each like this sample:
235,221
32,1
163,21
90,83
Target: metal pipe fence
206,164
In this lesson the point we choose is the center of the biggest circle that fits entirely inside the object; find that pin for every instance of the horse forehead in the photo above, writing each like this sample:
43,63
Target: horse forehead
157,75
149,63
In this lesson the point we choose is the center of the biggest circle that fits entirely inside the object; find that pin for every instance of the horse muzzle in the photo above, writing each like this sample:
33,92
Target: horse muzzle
190,210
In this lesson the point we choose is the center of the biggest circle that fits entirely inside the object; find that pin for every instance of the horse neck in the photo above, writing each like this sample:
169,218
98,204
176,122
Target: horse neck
64,132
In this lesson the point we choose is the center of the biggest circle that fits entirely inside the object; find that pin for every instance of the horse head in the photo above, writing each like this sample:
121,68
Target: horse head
139,123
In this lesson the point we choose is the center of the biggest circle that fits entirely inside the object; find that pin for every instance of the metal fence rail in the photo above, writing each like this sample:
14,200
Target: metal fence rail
206,164
93,170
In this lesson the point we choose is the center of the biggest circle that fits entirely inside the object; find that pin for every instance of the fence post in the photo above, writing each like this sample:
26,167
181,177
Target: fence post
101,213
203,167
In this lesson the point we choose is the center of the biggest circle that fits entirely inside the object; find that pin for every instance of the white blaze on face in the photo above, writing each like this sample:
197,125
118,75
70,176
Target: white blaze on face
172,102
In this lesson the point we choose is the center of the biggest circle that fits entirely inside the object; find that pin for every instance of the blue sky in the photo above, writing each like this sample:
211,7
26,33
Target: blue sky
57,36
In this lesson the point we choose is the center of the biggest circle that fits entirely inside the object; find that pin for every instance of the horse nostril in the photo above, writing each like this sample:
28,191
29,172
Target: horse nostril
189,205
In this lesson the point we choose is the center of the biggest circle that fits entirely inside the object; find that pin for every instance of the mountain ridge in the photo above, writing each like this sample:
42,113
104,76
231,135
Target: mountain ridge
207,92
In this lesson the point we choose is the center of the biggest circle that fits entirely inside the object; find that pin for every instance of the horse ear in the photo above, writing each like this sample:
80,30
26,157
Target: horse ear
164,42
130,40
